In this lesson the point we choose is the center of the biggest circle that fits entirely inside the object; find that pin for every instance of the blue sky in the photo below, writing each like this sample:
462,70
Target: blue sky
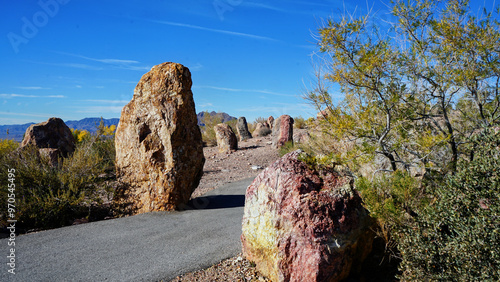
74,59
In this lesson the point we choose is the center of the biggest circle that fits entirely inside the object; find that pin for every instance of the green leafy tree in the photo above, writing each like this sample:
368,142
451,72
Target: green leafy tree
412,93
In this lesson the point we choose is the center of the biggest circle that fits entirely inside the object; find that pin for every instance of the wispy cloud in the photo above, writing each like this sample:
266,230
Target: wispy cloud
30,96
108,101
101,110
245,90
263,6
31,87
25,114
76,66
240,34
119,63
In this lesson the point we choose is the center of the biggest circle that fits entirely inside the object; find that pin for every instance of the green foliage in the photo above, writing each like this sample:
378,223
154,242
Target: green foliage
299,122
391,199
413,93
7,146
80,135
49,196
208,133
457,237
287,148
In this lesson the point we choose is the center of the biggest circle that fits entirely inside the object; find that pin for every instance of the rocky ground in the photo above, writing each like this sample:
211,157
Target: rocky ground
250,159
252,156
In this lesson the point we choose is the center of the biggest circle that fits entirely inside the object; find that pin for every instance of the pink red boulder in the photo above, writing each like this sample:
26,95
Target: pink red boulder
282,131
304,225
159,151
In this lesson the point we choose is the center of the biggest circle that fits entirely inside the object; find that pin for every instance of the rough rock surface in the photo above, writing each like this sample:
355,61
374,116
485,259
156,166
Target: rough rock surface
304,225
53,138
261,129
282,130
270,121
52,134
301,136
159,151
226,139
242,128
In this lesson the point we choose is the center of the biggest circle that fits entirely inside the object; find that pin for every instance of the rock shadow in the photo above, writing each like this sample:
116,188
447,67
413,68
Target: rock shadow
215,202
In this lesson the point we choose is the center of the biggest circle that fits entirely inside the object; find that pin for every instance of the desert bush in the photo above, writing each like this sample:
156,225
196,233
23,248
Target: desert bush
207,131
253,125
50,196
80,135
7,146
392,199
299,122
457,236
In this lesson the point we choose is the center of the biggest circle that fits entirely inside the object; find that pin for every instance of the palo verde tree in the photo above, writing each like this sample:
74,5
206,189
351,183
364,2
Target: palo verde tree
414,92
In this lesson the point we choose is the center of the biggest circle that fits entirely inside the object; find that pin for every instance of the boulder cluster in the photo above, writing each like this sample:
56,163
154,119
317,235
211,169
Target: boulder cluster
299,223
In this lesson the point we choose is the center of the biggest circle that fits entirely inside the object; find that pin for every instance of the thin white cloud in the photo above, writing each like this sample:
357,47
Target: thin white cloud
101,110
78,66
247,35
120,63
31,87
263,6
30,96
25,114
206,105
245,90
108,101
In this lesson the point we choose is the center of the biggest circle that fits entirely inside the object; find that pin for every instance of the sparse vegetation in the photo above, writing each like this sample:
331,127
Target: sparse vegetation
207,131
52,196
414,96
299,122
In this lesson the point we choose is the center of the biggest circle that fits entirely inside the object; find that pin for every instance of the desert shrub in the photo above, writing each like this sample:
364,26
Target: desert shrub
207,131
50,196
288,147
457,236
299,122
391,198
253,125
233,124
80,135
7,146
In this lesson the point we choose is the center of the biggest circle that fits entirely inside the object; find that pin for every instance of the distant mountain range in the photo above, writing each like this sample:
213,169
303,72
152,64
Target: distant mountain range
225,117
16,131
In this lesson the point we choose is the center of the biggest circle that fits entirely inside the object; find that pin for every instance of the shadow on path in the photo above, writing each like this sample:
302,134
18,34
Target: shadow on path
216,202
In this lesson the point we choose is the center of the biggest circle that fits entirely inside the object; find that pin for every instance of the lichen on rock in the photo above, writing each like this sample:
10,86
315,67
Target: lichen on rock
300,224
159,151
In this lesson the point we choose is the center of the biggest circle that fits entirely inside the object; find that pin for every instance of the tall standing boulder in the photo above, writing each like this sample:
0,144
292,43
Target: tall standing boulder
300,224
282,131
159,151
53,138
226,139
242,128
